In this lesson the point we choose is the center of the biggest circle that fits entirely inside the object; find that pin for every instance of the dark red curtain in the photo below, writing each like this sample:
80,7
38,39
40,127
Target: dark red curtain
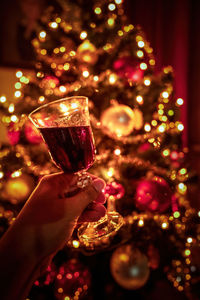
172,28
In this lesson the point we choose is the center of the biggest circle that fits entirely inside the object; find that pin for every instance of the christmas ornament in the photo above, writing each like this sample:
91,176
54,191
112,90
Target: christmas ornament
87,53
128,67
114,189
129,267
47,277
32,134
153,195
49,82
19,188
138,117
73,279
118,120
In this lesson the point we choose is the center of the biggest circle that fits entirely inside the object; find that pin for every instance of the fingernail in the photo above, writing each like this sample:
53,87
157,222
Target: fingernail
98,185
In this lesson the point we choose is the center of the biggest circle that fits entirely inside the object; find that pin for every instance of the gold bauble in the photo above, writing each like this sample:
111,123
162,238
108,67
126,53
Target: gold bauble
87,53
118,120
129,267
19,188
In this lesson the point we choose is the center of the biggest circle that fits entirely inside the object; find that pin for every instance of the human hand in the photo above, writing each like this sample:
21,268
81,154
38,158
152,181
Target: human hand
49,218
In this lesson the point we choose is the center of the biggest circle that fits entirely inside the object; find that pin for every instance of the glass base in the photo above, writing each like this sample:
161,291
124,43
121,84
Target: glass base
106,226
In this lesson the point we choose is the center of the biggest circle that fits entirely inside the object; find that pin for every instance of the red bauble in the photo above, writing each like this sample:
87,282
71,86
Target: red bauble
128,67
72,279
32,134
13,135
153,195
114,189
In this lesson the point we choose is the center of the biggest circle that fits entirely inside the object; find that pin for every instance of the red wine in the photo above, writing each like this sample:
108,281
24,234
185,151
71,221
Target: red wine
71,148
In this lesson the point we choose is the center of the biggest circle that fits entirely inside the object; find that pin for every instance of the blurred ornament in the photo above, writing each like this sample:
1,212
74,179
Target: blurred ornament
49,82
144,147
153,256
73,279
47,277
32,134
18,189
153,195
13,134
119,120
87,53
129,267
114,189
128,67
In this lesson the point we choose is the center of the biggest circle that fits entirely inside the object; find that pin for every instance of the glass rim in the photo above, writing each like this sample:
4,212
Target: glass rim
53,102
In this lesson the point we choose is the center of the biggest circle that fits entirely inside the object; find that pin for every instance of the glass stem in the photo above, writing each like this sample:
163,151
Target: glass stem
111,205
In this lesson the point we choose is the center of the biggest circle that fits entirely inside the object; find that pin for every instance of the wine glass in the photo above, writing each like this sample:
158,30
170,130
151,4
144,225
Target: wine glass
65,127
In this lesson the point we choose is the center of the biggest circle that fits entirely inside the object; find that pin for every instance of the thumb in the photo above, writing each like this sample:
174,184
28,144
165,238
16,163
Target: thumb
87,195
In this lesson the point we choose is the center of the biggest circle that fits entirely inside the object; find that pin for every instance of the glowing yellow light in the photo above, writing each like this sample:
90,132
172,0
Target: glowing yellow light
189,240
152,62
147,127
43,34
111,21
83,35
118,1
18,94
147,82
66,298
182,188
162,128
117,151
18,85
14,118
16,174
62,88
19,74
183,171
60,290
143,66
176,214
141,44
41,99
180,288
97,10
96,78
53,25
120,33
139,99
154,122
43,51
56,50
110,172
199,213
187,252
140,223
165,94
164,118
2,99
58,19
140,53
62,49
112,78
75,243
166,152
111,6
1,174
165,225
179,101
180,127
11,108
187,276
160,111
170,112
86,74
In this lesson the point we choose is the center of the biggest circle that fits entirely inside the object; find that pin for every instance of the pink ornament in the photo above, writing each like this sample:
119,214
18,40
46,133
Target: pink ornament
153,195
128,67
32,134
13,136
114,189
72,277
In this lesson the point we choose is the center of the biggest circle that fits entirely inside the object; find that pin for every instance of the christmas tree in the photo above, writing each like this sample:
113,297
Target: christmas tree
89,48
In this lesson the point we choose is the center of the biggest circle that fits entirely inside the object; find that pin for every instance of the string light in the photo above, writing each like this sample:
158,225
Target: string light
141,44
179,101
3,99
111,6
83,35
139,99
147,82
97,10
147,127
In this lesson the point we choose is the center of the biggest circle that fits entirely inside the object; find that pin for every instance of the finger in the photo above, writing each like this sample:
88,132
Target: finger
87,195
100,199
92,213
